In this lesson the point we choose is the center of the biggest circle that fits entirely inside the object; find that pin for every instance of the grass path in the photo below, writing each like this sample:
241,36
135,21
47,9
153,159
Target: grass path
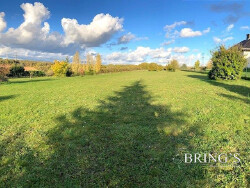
122,129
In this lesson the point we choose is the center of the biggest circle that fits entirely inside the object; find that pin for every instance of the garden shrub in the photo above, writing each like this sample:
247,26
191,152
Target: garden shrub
228,64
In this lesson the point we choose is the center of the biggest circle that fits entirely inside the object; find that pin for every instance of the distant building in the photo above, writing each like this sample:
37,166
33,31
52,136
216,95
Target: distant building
245,45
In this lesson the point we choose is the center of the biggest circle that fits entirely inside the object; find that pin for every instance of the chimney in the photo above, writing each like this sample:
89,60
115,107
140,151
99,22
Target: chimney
248,36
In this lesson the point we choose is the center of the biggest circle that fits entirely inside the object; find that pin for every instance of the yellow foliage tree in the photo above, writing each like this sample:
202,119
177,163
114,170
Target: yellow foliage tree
98,63
90,64
76,64
60,68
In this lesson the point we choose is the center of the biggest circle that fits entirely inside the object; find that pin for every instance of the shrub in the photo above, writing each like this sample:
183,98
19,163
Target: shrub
3,73
38,73
228,64
61,68
17,71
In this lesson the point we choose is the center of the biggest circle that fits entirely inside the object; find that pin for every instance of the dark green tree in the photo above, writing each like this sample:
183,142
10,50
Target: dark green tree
228,64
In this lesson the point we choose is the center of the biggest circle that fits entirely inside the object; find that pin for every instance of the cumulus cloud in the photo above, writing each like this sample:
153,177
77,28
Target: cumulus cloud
34,33
20,53
169,29
181,49
230,27
140,54
99,31
219,40
187,32
147,54
126,38
2,22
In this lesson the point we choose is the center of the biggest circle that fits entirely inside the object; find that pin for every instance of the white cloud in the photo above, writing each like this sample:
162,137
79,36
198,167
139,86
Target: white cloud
207,30
230,27
219,40
2,22
187,32
244,27
167,43
147,54
140,54
126,38
34,33
181,49
227,39
169,28
20,53
174,25
99,31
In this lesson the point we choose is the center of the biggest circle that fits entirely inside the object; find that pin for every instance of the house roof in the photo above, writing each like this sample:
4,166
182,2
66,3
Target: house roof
245,45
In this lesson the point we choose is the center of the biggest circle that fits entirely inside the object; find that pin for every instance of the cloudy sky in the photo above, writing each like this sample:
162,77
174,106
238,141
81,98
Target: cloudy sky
122,31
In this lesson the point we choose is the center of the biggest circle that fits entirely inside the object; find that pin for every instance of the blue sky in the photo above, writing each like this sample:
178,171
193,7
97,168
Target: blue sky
130,31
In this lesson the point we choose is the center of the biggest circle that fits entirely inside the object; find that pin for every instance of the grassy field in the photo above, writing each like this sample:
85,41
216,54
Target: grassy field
122,130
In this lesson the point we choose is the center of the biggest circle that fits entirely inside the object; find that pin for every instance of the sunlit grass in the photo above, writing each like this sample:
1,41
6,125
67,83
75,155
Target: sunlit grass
121,129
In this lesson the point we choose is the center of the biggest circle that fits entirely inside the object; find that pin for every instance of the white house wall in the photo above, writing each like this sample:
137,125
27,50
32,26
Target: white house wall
247,54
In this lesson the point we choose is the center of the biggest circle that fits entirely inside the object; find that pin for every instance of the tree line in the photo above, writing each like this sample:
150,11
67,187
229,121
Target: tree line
226,63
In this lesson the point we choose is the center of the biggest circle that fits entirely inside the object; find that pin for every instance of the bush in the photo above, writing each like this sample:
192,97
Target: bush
38,73
17,71
3,73
228,64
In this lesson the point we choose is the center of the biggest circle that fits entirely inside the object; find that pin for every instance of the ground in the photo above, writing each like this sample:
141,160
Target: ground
122,129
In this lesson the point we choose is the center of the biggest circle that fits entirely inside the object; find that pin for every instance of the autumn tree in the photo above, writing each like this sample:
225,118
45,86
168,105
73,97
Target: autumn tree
197,65
173,65
98,63
61,68
143,66
184,67
76,64
152,67
209,64
90,63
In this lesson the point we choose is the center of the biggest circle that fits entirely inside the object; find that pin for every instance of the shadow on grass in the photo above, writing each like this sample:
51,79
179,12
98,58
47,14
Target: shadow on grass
125,141
241,90
3,98
29,81
231,97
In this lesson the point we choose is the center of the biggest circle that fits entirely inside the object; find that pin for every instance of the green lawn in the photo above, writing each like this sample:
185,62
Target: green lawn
122,130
